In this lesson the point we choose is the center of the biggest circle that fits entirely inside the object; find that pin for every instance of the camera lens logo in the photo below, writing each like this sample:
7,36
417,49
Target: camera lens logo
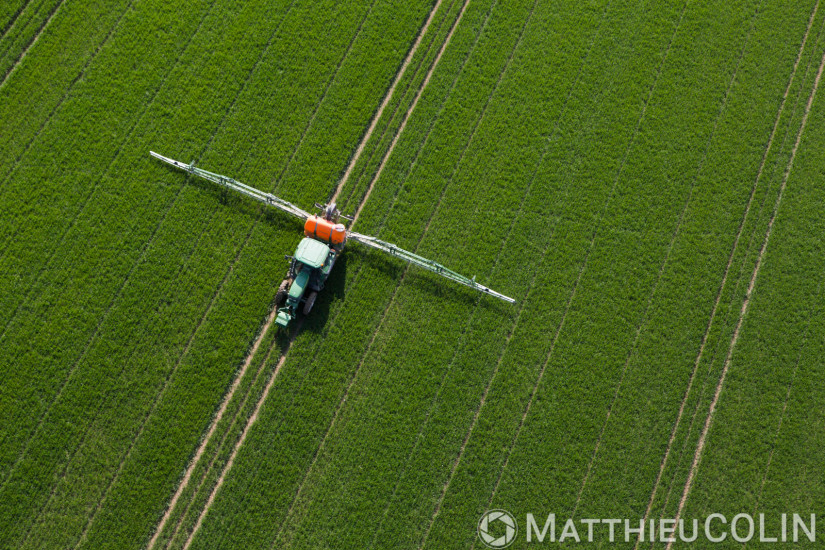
497,529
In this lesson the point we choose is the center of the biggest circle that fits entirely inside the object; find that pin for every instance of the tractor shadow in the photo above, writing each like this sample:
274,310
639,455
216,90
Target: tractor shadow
333,290
436,287
251,209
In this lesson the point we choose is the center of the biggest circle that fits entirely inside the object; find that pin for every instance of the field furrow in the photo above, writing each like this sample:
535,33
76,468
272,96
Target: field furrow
765,428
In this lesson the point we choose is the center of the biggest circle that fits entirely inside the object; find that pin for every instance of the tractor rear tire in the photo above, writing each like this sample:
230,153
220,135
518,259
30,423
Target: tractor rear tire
310,302
283,291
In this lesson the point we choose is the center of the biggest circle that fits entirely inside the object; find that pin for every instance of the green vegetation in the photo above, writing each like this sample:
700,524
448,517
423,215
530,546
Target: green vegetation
614,166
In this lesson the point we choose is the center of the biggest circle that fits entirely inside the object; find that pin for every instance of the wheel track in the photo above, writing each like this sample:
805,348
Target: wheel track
265,328
740,278
262,333
571,296
727,318
283,357
224,438
433,404
387,127
646,315
452,175
353,378
727,271
360,149
31,43
709,420
240,442
409,113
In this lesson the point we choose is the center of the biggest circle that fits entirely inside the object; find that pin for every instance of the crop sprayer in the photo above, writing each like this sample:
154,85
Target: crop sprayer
324,240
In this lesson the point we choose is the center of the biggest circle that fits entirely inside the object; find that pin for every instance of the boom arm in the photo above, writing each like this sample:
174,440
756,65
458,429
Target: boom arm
290,208
265,198
425,263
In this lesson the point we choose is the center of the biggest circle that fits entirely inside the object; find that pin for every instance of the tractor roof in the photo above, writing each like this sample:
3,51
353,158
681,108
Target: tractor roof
311,252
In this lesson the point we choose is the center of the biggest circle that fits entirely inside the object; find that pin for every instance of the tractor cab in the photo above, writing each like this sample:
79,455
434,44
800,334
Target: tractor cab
308,271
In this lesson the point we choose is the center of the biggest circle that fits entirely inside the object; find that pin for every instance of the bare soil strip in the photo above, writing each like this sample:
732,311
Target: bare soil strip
162,391
208,437
435,400
709,421
265,328
392,298
727,268
407,115
386,101
645,317
31,44
214,297
239,444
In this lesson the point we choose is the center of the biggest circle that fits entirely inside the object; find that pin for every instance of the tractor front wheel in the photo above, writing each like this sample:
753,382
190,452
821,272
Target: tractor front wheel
283,291
310,302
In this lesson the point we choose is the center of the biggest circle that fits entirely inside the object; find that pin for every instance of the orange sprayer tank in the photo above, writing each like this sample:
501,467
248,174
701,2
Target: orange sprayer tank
323,230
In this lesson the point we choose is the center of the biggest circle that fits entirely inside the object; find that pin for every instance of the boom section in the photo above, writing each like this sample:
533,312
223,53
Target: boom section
225,181
420,261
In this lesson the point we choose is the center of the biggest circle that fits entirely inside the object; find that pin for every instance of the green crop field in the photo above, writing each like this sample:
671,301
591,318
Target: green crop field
646,179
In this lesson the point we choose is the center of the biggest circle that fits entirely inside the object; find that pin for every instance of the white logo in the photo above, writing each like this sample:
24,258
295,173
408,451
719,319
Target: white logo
490,529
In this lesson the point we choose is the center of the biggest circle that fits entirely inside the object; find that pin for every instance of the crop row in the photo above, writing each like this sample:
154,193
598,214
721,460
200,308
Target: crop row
60,58
405,383
596,434
416,372
390,124
309,387
368,59
27,26
9,12
151,249
90,392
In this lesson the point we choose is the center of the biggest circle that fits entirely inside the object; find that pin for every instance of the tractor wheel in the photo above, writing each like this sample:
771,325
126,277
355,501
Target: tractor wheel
283,290
310,302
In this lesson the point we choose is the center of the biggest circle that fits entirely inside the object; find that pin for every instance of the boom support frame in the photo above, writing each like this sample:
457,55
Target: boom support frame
367,240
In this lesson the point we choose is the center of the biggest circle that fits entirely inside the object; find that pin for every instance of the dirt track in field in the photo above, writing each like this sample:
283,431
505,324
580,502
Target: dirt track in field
727,270
249,424
199,453
227,398
387,98
697,457
407,116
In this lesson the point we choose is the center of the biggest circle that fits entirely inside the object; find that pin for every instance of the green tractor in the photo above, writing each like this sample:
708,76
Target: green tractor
308,271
